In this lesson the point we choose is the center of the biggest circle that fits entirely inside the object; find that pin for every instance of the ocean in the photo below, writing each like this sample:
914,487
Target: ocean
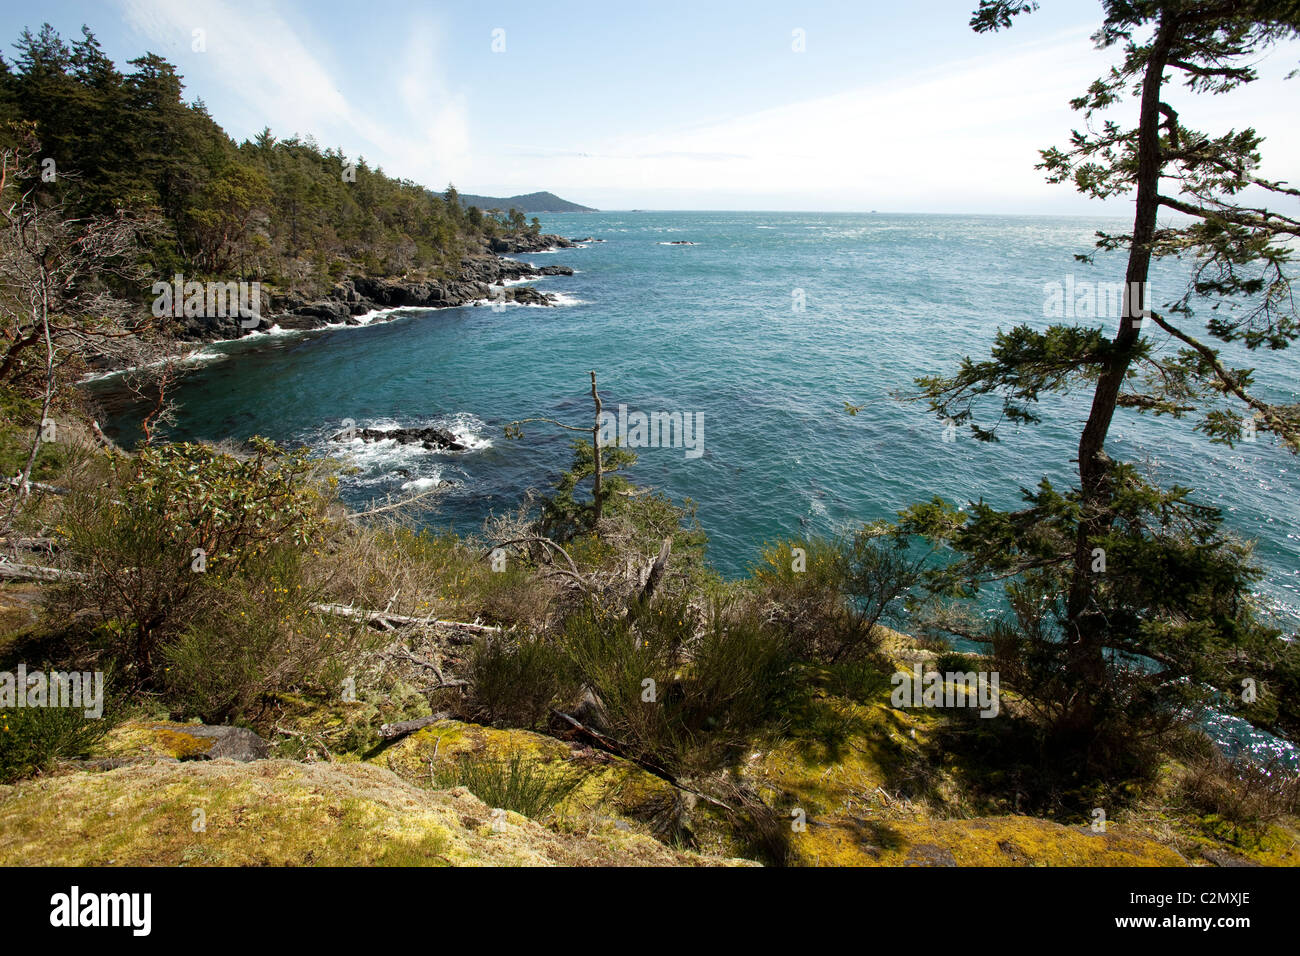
762,330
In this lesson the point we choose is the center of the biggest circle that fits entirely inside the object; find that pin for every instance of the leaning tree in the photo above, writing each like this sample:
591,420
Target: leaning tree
1179,598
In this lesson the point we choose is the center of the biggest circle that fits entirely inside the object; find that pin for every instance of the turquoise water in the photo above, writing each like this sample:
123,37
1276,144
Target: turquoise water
711,329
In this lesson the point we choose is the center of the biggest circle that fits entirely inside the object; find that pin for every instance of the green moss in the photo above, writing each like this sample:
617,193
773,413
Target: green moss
985,841
610,787
279,813
150,738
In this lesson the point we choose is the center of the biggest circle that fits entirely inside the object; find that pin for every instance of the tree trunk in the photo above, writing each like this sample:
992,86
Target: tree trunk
597,499
1085,622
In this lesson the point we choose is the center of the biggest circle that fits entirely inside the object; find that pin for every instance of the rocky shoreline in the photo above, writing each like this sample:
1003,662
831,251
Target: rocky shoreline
481,276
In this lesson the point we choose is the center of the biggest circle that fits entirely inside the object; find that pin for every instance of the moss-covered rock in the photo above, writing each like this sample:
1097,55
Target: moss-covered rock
984,841
281,813
163,738
853,785
610,789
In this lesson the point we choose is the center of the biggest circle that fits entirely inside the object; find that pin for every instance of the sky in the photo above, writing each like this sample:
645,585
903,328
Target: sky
810,105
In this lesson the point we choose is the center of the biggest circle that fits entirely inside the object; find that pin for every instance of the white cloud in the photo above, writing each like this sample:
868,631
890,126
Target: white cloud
957,137
964,137
279,77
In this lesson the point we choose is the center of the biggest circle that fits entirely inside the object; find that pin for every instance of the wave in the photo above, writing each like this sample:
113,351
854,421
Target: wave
566,299
424,484
387,455
558,300
386,466
200,356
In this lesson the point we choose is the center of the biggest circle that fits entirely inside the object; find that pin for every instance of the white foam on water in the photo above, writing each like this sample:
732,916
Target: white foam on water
566,299
423,484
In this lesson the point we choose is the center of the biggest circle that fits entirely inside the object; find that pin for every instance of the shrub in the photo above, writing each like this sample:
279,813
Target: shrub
514,783
1238,790
516,596
681,700
833,594
800,580
517,681
258,638
860,679
32,739
137,539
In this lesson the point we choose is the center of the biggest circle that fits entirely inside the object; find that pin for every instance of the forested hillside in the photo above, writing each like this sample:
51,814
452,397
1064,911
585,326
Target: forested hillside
282,210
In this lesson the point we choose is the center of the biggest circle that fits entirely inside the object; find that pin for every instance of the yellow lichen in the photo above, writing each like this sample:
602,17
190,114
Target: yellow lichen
609,787
280,813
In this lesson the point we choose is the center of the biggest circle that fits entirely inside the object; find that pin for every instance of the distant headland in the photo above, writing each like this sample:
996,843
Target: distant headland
530,202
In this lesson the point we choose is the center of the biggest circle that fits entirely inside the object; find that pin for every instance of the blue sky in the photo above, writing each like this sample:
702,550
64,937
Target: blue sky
665,105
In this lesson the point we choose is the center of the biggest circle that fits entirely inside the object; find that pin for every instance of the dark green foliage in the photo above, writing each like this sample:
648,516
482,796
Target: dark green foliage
168,528
682,693
516,682
564,515
831,595
1171,599
1128,606
259,637
284,211
33,739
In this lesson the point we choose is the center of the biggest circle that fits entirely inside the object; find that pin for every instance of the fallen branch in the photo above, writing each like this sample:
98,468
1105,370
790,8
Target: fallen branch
30,544
618,749
383,618
403,727
27,486
32,572
402,503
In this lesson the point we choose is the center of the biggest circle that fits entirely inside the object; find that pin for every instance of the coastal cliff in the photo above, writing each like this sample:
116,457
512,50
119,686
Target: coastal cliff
481,276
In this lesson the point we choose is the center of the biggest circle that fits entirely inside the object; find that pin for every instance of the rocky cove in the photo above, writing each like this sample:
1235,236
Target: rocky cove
481,275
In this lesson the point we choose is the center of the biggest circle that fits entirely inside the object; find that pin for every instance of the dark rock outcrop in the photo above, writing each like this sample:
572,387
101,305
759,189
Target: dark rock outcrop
435,439
528,243
479,277
523,295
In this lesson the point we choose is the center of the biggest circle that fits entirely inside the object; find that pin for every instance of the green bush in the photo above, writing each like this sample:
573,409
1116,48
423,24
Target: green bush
515,783
831,595
259,637
860,679
517,681
33,739
685,694
173,524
